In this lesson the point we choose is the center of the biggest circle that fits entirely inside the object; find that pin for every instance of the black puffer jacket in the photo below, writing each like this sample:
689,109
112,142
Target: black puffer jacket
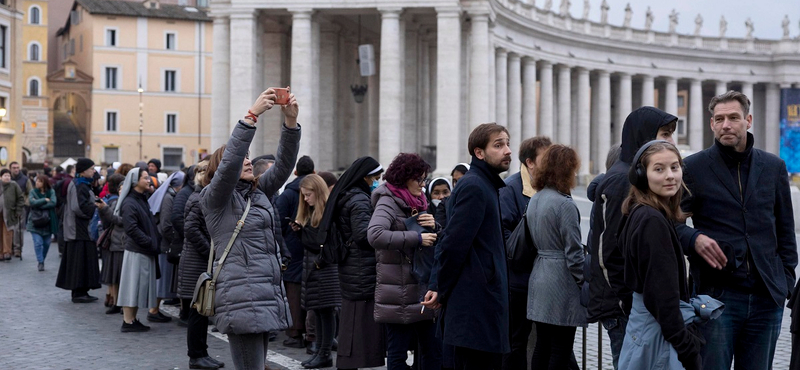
320,287
178,206
196,244
140,225
357,271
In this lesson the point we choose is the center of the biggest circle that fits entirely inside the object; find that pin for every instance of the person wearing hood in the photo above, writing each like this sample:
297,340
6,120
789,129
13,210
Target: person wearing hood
245,313
607,293
514,198
26,185
79,270
742,248
12,210
161,207
439,190
458,172
362,341
472,280
286,205
397,291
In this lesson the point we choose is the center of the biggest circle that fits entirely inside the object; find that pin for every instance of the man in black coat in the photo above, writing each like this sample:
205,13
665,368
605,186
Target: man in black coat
742,248
606,287
471,260
286,205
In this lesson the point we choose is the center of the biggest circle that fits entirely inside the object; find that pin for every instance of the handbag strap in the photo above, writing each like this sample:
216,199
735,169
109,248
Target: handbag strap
239,225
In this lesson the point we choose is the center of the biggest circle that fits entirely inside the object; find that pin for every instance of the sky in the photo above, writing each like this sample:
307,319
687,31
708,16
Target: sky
767,15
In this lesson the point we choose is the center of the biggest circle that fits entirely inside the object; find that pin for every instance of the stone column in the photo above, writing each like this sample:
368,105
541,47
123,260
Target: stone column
514,107
721,88
425,92
220,87
671,96
624,106
329,57
391,89
546,100
564,105
410,123
528,98
449,150
747,89
243,66
302,80
501,86
695,116
648,85
479,69
772,127
604,119
584,127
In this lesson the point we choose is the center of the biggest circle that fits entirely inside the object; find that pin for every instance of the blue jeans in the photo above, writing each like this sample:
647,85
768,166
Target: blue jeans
615,327
41,246
747,330
399,338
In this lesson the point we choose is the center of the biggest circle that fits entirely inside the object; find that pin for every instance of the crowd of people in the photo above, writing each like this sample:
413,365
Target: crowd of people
381,260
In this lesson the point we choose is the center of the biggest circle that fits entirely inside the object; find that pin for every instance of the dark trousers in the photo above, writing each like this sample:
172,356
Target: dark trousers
473,359
553,346
298,314
186,307
399,337
520,330
326,325
197,335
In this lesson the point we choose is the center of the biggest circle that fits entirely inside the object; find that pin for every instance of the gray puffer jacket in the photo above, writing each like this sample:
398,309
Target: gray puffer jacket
396,290
250,294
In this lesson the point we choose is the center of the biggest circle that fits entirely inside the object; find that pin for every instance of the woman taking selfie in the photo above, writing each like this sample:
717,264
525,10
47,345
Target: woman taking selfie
320,289
250,297
397,293
654,264
555,283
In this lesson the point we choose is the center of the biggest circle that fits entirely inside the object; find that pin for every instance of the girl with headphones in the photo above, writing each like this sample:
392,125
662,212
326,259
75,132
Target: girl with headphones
654,264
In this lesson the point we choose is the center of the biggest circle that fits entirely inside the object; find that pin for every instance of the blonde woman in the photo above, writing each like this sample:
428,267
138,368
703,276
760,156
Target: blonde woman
320,292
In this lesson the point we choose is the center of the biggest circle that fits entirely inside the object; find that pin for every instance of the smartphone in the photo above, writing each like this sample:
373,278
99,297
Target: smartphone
282,95
98,200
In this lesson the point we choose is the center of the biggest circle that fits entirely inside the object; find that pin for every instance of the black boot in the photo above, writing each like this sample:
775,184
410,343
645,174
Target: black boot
323,359
310,359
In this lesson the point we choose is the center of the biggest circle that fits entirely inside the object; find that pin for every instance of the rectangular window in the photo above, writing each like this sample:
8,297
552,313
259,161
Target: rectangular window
681,101
3,46
170,41
111,121
72,47
681,128
173,157
111,154
172,123
74,17
111,37
111,78
169,80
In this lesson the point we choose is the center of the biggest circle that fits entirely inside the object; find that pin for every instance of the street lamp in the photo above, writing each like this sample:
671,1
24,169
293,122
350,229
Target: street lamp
2,113
141,119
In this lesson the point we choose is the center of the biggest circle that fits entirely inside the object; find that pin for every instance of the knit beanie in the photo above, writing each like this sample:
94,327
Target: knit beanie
83,164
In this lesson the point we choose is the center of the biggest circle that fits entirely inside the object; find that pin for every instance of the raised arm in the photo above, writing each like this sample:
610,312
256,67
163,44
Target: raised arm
272,180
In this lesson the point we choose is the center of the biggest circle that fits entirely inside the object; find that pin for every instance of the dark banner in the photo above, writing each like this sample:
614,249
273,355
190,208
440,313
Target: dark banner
790,129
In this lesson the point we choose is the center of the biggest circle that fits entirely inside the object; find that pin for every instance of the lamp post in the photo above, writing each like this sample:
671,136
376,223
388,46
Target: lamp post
141,119
3,112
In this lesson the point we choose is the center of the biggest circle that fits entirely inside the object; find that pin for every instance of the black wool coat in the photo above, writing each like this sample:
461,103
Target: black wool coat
471,262
357,272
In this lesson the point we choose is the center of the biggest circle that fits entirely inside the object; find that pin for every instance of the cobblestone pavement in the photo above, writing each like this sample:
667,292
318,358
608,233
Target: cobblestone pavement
40,328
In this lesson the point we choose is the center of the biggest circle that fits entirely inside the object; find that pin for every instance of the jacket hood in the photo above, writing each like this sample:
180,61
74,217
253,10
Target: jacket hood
640,127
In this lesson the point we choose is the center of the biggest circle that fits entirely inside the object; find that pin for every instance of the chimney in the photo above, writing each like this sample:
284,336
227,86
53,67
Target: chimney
152,4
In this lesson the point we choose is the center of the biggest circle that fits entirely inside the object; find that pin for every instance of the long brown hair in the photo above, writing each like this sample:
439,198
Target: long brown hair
305,215
559,166
672,207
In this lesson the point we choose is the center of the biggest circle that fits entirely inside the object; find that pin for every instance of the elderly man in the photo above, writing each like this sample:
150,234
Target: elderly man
742,248
26,185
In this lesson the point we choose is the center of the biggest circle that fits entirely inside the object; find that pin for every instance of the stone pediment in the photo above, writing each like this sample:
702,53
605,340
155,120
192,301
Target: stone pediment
59,76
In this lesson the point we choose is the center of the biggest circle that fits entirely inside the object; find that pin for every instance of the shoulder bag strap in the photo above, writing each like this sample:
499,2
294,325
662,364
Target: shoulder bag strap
239,225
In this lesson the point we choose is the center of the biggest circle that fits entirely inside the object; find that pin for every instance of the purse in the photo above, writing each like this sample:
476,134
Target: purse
520,250
104,240
423,259
40,218
205,289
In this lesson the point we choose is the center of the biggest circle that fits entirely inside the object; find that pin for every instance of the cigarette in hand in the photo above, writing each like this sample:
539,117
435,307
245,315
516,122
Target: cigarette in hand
422,310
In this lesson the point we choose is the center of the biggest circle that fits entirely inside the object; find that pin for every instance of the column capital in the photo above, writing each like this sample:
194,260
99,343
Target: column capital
448,11
545,63
514,56
581,69
623,74
603,73
501,51
390,12
476,15
301,13
696,80
562,66
243,14
222,19
528,60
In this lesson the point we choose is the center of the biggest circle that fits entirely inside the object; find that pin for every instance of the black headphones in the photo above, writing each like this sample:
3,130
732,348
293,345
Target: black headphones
637,175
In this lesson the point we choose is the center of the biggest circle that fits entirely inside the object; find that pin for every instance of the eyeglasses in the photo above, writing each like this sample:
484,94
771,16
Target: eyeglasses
422,180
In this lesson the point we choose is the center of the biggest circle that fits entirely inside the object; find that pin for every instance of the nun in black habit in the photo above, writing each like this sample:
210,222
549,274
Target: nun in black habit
361,340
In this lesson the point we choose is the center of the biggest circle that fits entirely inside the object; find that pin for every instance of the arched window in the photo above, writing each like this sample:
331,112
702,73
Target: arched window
33,53
35,15
33,87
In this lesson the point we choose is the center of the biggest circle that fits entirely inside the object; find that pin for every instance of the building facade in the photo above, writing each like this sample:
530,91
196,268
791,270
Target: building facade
11,80
445,66
34,126
134,83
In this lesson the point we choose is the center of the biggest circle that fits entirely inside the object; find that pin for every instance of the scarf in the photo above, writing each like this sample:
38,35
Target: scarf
130,181
83,180
419,203
174,180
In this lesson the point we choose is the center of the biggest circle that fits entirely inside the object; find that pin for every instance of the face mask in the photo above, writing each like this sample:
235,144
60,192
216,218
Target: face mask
374,185
436,202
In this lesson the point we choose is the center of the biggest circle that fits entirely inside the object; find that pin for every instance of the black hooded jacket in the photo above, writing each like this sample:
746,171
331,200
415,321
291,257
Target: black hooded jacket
606,286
